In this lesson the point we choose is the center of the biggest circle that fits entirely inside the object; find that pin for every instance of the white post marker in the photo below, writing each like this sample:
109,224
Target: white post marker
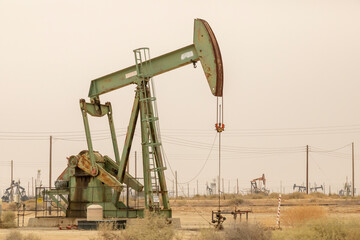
278,213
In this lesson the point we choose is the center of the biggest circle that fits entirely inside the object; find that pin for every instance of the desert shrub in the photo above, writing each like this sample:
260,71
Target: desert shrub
204,197
299,215
245,231
16,235
295,195
210,234
198,196
236,201
318,195
8,220
9,206
273,195
334,196
106,232
330,229
255,196
30,204
153,227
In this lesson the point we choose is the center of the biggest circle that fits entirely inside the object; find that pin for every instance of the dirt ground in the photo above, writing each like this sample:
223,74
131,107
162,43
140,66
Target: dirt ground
196,214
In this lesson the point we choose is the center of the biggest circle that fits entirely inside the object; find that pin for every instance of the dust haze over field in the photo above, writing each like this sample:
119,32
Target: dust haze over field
291,79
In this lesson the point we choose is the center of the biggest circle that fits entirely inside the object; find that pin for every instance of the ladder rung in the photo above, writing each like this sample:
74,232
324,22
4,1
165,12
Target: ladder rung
152,144
157,169
150,98
153,119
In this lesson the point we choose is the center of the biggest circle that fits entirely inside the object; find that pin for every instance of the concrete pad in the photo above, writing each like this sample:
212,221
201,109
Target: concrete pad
53,222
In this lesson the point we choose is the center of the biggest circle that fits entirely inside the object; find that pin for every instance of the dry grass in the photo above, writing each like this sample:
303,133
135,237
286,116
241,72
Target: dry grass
256,196
153,227
30,204
8,220
106,232
9,206
246,231
210,234
16,235
299,215
242,231
324,229
236,201
294,195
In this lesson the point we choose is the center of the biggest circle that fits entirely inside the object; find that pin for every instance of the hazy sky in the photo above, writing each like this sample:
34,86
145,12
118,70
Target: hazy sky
291,79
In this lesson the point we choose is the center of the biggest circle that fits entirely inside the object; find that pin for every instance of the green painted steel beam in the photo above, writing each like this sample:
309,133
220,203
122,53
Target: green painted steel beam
129,75
52,194
83,106
113,134
129,137
111,167
205,48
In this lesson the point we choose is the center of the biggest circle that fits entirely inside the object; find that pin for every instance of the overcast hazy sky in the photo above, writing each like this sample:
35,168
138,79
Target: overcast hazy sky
291,78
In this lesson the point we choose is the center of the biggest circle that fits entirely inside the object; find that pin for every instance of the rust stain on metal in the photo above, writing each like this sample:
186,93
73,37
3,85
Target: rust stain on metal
61,177
218,60
81,184
72,161
85,164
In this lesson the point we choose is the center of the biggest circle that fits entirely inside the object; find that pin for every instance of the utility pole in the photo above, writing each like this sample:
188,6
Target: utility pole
237,186
353,178
223,186
219,189
176,185
50,162
188,191
12,171
197,187
32,186
173,188
11,183
307,169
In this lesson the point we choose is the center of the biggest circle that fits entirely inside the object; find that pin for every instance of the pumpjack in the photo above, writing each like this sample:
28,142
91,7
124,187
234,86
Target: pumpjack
91,177
15,193
347,190
258,185
299,188
315,188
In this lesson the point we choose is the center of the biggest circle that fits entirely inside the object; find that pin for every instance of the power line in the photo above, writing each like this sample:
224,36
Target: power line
203,166
332,150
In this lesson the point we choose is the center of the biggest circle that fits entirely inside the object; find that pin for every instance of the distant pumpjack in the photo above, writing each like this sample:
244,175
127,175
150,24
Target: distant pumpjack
258,185
346,191
299,188
14,190
314,189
